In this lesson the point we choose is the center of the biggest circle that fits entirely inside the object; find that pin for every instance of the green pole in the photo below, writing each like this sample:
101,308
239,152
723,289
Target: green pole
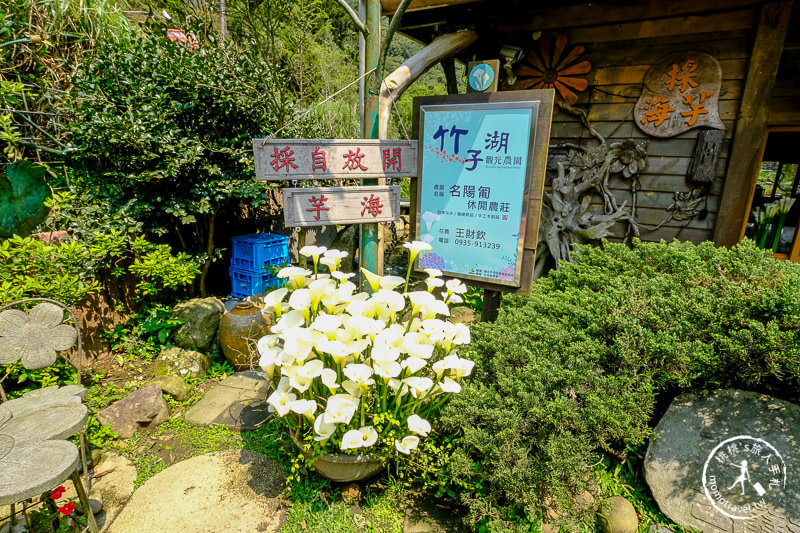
369,247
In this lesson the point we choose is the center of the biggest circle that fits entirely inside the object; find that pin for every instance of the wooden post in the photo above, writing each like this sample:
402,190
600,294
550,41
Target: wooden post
491,305
751,124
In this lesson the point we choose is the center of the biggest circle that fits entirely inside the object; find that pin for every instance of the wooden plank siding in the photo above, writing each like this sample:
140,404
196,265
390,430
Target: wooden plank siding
621,53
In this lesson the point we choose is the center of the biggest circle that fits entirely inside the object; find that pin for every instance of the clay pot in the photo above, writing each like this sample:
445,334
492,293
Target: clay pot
239,331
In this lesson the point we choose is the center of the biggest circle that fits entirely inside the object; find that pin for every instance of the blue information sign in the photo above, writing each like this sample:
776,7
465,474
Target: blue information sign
475,168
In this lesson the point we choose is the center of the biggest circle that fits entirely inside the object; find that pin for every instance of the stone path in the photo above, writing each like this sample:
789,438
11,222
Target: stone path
238,401
230,490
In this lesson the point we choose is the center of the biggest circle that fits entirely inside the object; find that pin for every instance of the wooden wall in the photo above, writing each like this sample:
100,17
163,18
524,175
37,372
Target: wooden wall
621,54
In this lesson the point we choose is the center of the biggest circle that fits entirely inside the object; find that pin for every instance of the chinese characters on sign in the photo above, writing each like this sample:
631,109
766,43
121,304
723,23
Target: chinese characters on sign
291,159
681,91
319,206
472,194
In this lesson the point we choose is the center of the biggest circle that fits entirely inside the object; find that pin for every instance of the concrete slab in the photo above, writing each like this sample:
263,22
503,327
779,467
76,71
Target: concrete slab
230,490
238,401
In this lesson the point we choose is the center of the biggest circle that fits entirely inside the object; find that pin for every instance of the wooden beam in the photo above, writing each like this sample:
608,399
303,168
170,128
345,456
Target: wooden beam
751,125
618,12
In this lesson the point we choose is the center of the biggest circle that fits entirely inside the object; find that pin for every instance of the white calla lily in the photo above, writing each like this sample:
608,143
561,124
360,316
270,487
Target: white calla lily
323,431
387,369
416,247
352,440
419,425
340,409
407,445
413,364
390,283
305,408
359,373
450,386
329,377
372,278
418,386
281,401
273,301
368,436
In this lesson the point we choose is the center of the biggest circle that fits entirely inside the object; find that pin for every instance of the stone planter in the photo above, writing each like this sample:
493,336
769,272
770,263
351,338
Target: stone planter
344,468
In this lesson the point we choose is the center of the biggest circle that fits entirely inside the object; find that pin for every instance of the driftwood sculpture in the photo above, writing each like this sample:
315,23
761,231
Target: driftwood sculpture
566,217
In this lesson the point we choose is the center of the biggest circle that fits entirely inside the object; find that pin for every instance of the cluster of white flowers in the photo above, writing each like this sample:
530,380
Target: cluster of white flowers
338,357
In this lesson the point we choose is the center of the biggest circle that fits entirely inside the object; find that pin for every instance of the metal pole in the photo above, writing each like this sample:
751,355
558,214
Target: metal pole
369,248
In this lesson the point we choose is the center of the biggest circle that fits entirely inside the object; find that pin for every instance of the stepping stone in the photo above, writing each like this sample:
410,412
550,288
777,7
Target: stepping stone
238,401
230,490
727,461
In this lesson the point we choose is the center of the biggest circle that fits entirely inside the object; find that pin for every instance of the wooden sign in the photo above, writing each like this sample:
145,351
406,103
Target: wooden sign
292,159
479,194
681,92
323,206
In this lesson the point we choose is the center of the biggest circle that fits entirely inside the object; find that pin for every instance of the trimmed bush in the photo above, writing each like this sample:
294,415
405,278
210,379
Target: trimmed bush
580,365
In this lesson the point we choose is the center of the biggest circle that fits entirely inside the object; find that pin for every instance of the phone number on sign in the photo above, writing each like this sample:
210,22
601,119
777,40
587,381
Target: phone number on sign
477,244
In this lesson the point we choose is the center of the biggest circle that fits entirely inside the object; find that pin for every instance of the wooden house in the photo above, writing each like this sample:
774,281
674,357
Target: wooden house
756,46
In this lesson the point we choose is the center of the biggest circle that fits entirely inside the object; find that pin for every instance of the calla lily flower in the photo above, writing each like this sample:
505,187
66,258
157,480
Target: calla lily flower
323,431
273,300
413,364
449,386
433,272
310,369
336,256
416,247
418,386
372,278
326,323
359,373
281,401
296,276
306,408
340,409
419,425
433,283
387,369
368,436
390,283
352,440
352,388
328,377
407,445
455,286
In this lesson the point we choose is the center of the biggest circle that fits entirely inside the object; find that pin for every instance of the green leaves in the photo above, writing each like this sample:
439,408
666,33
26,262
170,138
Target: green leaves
23,192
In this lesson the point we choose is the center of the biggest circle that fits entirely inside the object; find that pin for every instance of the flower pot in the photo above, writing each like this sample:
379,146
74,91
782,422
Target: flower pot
344,468
239,331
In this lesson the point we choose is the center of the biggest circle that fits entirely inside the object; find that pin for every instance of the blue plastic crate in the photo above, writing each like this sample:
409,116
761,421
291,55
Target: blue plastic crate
257,250
246,283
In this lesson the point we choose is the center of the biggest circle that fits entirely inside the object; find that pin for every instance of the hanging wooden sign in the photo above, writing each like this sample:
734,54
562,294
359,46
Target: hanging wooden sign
323,206
681,92
292,159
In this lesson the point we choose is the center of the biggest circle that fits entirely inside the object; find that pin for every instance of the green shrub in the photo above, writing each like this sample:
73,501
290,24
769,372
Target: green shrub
165,133
575,367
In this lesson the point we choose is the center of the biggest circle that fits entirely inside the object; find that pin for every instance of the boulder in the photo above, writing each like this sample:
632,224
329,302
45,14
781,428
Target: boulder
620,516
727,461
462,314
201,317
175,387
181,363
142,409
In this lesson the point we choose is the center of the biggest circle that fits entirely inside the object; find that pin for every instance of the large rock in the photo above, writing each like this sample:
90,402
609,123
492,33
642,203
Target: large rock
728,461
142,409
181,363
230,490
175,387
202,320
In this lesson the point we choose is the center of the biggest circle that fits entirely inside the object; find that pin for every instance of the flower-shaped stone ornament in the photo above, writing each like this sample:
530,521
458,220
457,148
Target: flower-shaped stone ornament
34,337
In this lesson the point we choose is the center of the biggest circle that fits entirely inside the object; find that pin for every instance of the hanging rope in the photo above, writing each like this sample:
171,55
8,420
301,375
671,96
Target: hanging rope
397,112
304,115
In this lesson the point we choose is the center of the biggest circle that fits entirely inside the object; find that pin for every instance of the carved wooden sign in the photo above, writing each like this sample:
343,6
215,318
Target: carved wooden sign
681,92
322,206
291,159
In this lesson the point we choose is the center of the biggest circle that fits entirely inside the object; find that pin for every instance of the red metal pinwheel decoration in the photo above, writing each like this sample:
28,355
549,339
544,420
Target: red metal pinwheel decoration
549,66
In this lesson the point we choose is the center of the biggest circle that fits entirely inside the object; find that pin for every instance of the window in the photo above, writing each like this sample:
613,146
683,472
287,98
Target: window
775,211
